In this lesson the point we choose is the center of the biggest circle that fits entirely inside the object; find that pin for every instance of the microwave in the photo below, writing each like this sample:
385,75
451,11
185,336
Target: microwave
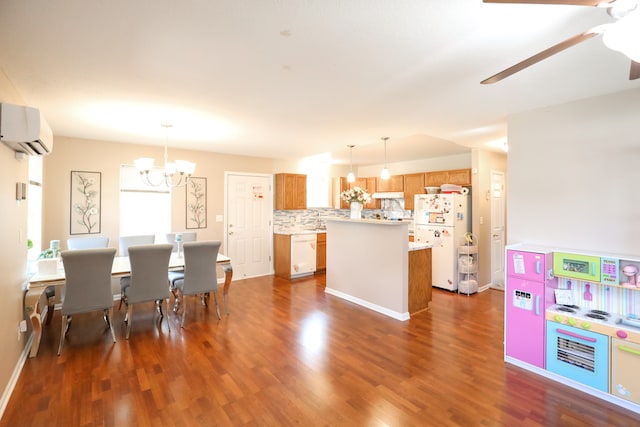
576,266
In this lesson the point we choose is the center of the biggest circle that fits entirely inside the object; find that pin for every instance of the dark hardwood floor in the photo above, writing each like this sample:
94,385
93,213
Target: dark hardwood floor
288,354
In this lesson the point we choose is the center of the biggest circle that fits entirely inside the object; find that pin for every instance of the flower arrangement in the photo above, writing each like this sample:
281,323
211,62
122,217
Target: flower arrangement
356,194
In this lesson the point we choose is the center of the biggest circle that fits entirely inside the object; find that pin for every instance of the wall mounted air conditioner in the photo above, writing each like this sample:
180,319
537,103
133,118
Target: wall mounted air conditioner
25,130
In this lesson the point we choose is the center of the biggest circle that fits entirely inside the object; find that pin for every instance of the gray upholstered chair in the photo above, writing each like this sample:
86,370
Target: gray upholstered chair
200,275
74,243
87,286
149,265
87,242
125,242
188,236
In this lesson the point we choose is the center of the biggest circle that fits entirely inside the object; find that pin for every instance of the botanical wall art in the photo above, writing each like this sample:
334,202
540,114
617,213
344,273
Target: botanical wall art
196,195
85,202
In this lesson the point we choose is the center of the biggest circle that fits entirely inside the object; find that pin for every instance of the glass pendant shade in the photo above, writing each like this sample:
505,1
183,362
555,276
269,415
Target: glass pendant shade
385,174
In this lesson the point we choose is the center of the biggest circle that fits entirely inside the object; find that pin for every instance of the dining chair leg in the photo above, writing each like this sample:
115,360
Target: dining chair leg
110,316
184,310
64,328
128,320
166,301
50,309
215,299
176,300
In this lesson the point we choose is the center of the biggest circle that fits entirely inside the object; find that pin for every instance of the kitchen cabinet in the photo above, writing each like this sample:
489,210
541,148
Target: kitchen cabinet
282,255
420,287
394,183
413,184
291,191
454,176
321,254
368,184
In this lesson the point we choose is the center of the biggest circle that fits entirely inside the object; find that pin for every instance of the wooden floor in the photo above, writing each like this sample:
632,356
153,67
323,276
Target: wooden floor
288,354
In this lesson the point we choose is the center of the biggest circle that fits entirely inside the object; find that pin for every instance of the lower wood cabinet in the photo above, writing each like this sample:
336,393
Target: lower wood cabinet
420,287
321,254
282,255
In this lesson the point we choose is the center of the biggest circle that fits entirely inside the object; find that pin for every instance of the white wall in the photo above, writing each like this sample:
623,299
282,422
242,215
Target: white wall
574,173
13,263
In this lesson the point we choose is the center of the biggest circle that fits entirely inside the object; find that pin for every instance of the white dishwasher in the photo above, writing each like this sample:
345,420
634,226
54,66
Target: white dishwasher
303,254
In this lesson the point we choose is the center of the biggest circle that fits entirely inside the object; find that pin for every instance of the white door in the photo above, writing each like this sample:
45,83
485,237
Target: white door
497,229
248,223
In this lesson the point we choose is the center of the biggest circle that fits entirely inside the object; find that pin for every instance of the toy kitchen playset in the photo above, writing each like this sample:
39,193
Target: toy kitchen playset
575,317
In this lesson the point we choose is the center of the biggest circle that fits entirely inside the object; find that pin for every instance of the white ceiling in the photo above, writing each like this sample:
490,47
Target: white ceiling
292,78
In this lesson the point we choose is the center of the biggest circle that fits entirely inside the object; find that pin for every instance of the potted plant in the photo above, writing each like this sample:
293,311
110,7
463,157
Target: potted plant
356,197
48,261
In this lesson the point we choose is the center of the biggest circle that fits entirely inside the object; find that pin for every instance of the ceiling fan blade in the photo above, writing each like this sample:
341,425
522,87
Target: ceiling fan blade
539,57
634,73
569,2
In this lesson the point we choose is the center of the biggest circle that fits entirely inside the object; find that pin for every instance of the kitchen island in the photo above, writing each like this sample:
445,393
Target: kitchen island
373,264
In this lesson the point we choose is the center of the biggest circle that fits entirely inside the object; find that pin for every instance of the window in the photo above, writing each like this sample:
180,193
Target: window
143,209
34,207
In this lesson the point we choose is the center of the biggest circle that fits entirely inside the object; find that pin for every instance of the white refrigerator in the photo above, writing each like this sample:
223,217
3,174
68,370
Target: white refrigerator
442,221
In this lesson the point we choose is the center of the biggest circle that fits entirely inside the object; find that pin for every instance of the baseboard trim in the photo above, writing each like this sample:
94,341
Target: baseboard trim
383,310
8,391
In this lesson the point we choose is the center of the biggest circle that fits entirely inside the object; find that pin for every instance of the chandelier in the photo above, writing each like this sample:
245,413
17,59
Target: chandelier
175,174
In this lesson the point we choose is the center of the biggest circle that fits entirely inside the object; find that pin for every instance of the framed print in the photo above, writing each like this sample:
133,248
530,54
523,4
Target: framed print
196,202
85,202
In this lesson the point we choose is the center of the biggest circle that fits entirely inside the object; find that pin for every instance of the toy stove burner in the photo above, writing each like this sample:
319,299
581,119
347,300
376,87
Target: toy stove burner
600,312
566,309
596,316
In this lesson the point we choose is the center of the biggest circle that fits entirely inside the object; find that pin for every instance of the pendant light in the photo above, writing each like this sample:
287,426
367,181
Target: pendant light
385,171
351,177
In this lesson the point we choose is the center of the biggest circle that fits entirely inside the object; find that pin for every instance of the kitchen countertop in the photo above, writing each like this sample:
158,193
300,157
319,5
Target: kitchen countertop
371,221
416,246
292,231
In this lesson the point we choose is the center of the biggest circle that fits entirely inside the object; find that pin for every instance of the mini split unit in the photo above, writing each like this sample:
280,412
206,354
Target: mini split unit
25,130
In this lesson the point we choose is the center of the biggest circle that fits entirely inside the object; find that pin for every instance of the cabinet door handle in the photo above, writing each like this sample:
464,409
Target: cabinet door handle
571,334
538,267
537,305
629,350
593,268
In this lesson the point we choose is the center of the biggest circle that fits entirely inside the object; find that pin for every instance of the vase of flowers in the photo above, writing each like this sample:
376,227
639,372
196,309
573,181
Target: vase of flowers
357,197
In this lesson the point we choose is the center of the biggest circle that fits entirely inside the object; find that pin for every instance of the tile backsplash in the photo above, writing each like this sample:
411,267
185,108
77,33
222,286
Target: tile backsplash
315,217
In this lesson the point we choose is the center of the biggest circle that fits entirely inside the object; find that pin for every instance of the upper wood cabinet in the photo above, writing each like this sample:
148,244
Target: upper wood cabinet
455,176
413,184
291,191
394,183
368,184
460,177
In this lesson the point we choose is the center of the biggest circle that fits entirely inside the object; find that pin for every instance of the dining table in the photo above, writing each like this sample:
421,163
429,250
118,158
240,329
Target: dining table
121,268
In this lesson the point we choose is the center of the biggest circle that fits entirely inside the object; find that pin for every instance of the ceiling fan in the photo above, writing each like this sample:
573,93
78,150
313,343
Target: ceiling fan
622,35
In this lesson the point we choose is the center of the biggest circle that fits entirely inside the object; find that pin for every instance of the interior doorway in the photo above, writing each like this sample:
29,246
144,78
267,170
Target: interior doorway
497,229
248,223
